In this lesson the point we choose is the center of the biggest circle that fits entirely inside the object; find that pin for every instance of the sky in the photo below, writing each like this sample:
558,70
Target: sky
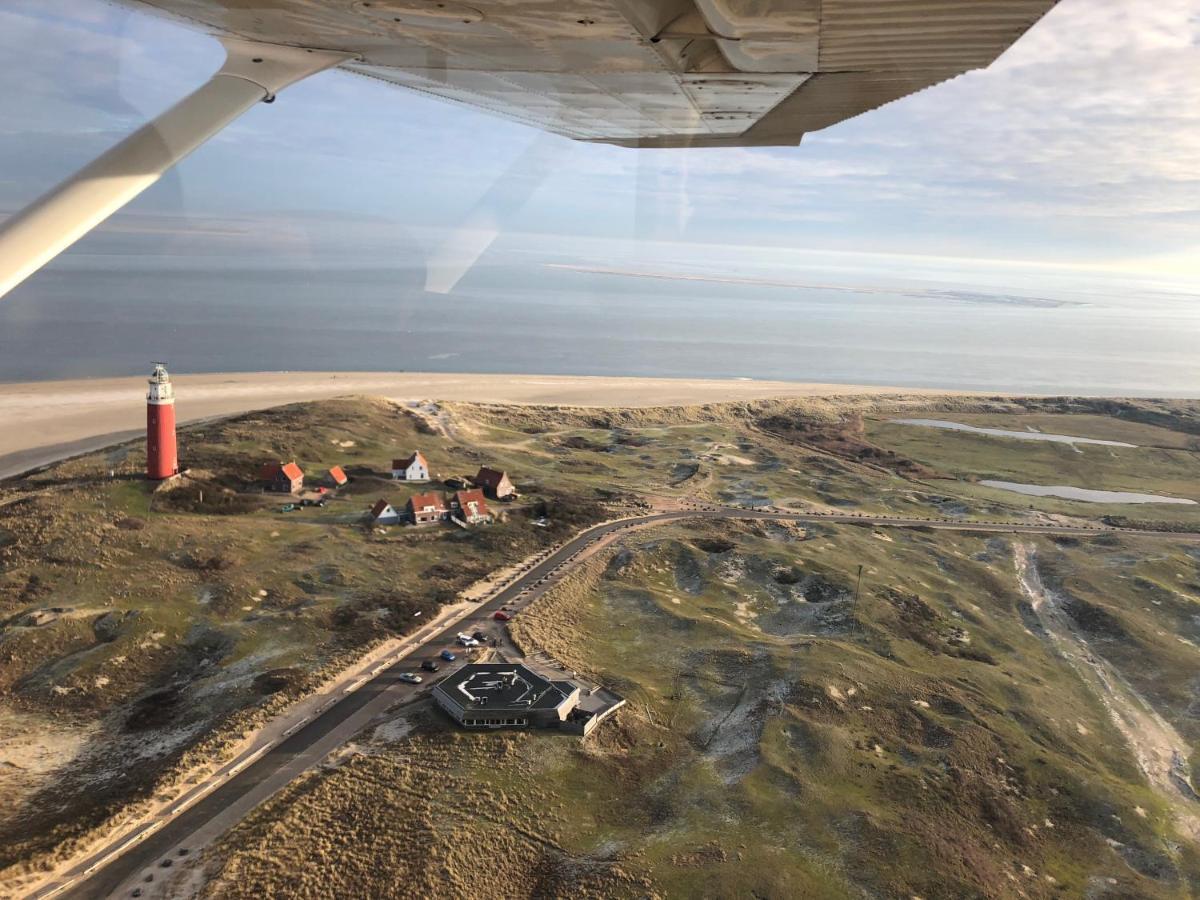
1078,150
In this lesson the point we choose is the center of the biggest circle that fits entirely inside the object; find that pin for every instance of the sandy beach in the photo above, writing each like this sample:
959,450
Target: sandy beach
48,420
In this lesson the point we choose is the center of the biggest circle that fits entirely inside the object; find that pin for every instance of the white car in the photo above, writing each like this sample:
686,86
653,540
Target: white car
467,641
410,677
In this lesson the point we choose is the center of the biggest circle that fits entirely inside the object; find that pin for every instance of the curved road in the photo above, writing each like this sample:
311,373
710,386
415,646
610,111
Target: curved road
245,782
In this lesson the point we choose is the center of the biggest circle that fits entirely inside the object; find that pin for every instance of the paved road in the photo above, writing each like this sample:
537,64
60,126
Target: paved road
248,784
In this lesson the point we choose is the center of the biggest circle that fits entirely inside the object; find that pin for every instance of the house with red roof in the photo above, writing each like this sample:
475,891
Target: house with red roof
426,508
284,478
335,477
412,468
494,483
470,507
383,513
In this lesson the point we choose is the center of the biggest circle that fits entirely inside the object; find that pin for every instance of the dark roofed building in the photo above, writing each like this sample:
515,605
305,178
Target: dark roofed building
383,513
499,695
286,478
494,483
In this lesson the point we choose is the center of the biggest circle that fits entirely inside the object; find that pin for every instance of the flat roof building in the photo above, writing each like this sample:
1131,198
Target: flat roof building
499,695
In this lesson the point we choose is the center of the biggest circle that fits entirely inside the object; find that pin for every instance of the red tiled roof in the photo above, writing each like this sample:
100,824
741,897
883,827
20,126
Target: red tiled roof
270,471
378,508
409,460
465,498
432,498
338,476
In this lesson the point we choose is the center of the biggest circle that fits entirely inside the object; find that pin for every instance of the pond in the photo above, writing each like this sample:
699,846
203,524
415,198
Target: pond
1084,494
1002,432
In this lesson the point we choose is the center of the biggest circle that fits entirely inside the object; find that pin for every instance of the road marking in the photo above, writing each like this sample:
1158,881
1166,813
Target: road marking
294,728
123,846
196,794
56,890
249,759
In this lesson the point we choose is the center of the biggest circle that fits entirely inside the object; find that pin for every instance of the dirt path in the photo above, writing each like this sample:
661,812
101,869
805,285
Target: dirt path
1160,751
443,422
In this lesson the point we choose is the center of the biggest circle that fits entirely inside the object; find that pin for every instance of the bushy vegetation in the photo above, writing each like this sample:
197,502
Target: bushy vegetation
919,742
178,610
786,735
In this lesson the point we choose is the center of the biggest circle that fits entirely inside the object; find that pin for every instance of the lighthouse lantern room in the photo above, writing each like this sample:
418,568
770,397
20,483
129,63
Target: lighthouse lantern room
162,460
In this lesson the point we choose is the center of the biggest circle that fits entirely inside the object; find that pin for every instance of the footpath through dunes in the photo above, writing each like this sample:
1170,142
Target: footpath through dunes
1161,753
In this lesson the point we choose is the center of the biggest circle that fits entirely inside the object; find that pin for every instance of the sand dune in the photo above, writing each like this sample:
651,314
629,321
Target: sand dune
44,421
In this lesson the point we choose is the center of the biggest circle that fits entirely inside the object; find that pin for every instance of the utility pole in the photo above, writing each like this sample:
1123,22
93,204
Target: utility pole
858,588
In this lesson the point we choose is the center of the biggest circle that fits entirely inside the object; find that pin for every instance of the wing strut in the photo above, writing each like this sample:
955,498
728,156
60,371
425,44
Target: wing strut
56,220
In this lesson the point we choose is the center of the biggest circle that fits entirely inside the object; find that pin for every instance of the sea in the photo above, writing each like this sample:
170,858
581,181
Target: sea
1005,332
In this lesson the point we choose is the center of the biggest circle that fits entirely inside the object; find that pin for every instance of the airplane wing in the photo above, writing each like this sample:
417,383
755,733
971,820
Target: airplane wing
637,73
644,73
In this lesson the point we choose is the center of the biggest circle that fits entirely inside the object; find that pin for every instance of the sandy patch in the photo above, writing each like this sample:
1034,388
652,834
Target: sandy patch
393,730
31,748
1159,750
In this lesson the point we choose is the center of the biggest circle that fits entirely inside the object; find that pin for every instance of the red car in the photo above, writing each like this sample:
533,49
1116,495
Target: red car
501,616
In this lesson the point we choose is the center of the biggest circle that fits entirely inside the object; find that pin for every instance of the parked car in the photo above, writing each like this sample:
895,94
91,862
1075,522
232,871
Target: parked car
501,616
467,641
479,636
448,656
429,665
410,677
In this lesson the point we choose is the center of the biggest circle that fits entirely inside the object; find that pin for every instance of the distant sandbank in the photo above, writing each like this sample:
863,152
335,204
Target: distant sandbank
48,420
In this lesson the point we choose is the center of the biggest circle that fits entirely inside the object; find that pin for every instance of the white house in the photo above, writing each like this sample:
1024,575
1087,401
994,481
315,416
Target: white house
412,468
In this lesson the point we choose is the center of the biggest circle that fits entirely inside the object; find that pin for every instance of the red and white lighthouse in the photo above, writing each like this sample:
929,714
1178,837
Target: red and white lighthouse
162,459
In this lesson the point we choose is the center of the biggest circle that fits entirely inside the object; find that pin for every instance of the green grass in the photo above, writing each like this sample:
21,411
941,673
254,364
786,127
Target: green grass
1105,428
1085,465
793,799
208,596
919,831
970,458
